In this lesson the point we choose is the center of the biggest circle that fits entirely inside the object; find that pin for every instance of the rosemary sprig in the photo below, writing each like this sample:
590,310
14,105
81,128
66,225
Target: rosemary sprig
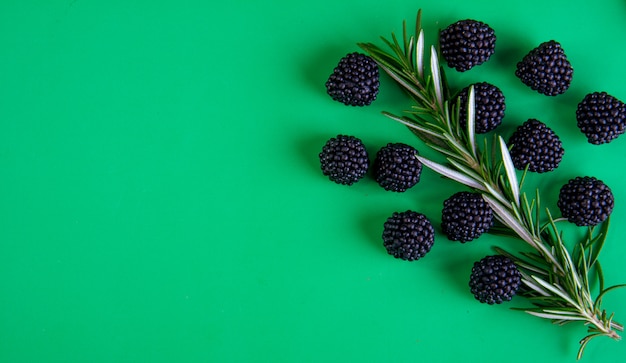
557,282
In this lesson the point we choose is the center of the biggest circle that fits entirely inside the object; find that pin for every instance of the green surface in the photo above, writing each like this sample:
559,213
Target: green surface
161,198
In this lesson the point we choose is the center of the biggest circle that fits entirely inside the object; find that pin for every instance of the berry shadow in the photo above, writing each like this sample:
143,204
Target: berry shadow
371,226
309,147
510,49
565,106
457,266
572,97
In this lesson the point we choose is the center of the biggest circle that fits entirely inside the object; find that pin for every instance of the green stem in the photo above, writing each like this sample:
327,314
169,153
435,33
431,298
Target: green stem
564,289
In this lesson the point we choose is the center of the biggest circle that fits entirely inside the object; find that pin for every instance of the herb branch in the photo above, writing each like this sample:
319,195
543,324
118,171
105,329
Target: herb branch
556,281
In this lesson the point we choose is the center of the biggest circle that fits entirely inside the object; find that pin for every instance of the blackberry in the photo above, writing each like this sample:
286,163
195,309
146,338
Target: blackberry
585,201
535,145
408,235
396,168
344,159
467,43
546,69
494,279
601,117
466,216
355,80
489,107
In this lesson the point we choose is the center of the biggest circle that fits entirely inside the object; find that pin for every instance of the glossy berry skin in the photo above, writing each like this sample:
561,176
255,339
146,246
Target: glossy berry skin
466,44
466,216
536,146
601,117
344,159
355,80
546,69
408,235
494,279
489,107
396,167
586,201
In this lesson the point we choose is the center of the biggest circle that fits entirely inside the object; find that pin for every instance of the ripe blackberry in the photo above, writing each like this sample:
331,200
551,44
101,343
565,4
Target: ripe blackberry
535,145
467,43
546,69
354,82
344,159
408,235
489,107
466,216
601,117
494,279
585,201
396,168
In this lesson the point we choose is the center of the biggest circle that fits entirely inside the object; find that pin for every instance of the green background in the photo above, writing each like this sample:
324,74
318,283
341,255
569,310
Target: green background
161,198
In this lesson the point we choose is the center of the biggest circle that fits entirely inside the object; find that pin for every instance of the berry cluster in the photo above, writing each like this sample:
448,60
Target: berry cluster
494,279
585,201
465,217
467,43
354,82
344,159
489,106
396,168
536,147
408,235
546,69
601,117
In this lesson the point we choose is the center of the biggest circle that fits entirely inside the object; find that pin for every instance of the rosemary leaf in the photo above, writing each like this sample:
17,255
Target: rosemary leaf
450,173
471,128
434,69
505,217
510,171
559,317
419,59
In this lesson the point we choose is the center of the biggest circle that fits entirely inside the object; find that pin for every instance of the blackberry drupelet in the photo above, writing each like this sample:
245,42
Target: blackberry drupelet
408,235
535,145
546,69
489,107
467,43
601,117
396,167
585,201
344,159
355,80
466,216
494,279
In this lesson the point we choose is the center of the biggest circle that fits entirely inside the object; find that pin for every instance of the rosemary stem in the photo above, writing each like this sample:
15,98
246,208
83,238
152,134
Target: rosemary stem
606,329
559,284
